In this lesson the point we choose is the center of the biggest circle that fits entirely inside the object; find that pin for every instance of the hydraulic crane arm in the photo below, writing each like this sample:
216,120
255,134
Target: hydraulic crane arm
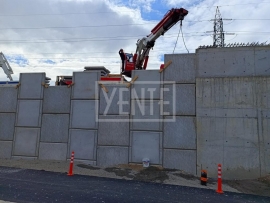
145,44
5,66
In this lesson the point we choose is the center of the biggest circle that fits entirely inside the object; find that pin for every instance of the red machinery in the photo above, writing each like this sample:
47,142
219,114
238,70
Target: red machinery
141,56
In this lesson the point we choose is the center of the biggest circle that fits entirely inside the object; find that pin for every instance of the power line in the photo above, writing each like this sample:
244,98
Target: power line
75,41
87,13
155,50
92,38
99,26
266,2
84,26
113,39
71,27
251,19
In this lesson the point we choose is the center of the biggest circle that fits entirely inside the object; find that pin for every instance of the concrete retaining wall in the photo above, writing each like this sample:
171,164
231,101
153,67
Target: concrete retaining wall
206,108
232,91
232,126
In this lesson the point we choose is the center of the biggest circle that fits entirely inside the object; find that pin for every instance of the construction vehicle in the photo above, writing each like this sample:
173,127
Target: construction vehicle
140,59
5,66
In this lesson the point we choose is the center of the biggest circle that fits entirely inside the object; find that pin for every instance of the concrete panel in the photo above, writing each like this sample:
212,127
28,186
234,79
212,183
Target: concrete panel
241,162
110,156
262,60
180,134
53,151
182,69
7,122
146,115
113,133
183,99
5,149
8,101
83,114
83,143
146,145
116,101
204,92
265,160
184,160
230,132
85,86
54,128
147,86
222,62
265,147
210,132
241,132
56,99
26,141
263,86
29,113
265,133
224,141
226,93
31,85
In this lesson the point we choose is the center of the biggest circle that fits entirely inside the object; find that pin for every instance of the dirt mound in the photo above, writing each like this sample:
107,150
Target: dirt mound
153,174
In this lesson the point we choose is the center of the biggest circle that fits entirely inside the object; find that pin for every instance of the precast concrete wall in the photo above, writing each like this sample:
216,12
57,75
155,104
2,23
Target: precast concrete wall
206,108
180,149
104,127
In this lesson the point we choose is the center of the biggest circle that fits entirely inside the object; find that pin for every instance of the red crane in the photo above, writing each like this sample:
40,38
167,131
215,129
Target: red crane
140,59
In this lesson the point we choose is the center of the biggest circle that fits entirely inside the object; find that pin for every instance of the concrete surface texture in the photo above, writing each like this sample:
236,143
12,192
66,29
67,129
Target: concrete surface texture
206,108
233,62
231,121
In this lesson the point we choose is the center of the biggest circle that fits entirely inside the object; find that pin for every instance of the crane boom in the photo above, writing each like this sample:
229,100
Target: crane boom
145,44
5,66
140,58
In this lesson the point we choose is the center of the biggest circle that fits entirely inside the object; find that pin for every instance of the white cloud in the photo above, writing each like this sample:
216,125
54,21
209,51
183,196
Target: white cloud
143,4
73,48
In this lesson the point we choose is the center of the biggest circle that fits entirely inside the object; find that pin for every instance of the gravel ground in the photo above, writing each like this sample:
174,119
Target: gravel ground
128,172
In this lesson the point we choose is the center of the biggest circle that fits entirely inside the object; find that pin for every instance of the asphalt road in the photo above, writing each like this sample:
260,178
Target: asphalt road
23,185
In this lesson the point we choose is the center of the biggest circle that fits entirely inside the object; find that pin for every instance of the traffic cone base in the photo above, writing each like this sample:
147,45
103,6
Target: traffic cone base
219,191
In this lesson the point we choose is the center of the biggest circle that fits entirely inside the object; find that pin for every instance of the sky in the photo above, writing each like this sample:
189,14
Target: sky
60,37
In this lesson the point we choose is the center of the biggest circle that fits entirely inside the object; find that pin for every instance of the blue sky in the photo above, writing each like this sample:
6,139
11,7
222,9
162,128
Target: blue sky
157,12
62,36
17,59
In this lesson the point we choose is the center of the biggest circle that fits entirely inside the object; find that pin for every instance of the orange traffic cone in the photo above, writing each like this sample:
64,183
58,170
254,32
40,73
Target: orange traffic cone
219,186
70,173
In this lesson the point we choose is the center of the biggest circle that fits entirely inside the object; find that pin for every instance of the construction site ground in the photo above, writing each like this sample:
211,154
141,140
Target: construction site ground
156,174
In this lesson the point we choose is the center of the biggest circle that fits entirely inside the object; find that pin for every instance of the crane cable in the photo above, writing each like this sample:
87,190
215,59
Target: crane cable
180,29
